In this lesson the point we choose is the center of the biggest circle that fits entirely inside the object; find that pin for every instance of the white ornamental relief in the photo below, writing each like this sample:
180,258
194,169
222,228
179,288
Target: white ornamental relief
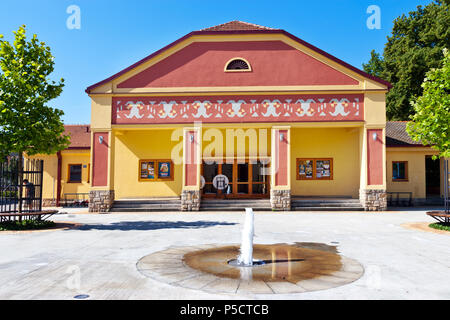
202,108
339,107
236,109
271,108
134,109
305,108
167,110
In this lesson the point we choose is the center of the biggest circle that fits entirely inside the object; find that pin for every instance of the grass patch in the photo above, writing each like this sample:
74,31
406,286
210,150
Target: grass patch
440,226
26,225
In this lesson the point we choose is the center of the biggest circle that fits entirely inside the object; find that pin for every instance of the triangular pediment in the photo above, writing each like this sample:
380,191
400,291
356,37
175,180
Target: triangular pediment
273,63
277,61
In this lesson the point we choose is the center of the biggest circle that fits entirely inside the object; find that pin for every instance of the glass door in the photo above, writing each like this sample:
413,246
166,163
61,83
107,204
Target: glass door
247,179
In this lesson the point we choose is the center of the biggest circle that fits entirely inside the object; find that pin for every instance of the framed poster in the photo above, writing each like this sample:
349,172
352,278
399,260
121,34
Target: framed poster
323,169
147,170
305,169
164,169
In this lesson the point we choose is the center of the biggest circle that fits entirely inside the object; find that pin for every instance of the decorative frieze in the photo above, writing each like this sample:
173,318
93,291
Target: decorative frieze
373,200
101,200
190,200
280,200
142,110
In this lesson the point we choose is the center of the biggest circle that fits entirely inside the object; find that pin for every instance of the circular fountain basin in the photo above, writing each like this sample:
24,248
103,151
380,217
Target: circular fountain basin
280,268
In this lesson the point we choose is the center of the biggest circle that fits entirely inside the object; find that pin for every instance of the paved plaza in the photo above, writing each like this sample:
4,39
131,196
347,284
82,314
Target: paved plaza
99,258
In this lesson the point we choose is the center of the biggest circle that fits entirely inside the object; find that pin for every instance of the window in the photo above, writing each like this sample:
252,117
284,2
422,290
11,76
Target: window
74,173
155,170
400,171
237,65
315,169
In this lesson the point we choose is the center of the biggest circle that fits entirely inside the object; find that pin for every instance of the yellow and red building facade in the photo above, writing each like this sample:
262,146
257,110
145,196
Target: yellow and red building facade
244,111
304,122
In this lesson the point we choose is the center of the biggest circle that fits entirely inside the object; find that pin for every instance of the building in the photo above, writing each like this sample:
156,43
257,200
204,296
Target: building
241,111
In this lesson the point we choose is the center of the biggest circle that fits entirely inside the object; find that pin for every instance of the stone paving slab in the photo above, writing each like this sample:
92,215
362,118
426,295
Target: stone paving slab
398,263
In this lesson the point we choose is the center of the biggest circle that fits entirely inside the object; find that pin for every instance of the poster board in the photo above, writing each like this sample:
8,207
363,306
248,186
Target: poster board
314,168
155,170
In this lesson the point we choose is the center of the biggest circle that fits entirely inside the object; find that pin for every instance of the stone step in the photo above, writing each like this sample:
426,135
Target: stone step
234,208
149,209
327,208
326,204
326,200
149,205
143,202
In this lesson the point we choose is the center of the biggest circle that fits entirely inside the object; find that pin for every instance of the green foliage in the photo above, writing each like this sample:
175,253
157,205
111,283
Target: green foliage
26,225
27,124
440,226
375,66
431,121
414,47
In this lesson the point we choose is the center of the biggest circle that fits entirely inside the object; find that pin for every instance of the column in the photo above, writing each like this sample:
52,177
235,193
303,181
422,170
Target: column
192,144
372,191
101,195
280,191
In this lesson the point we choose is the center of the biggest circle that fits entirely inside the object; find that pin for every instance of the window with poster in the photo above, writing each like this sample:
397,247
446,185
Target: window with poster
315,169
155,170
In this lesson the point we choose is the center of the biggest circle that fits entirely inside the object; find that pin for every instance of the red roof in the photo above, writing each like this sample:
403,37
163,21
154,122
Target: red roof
80,136
239,27
236,26
396,135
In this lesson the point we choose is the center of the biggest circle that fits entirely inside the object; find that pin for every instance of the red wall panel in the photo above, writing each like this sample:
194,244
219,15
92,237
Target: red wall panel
191,158
100,160
375,157
281,158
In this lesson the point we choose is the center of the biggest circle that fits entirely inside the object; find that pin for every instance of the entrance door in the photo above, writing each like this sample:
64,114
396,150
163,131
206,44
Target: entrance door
247,179
433,180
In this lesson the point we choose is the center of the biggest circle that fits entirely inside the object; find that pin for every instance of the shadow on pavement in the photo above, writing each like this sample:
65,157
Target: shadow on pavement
154,225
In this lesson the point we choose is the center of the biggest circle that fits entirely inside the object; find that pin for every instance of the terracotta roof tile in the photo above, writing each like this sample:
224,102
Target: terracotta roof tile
80,135
396,135
237,26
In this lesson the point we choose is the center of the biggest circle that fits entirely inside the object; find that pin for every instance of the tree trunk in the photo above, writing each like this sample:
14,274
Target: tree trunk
20,169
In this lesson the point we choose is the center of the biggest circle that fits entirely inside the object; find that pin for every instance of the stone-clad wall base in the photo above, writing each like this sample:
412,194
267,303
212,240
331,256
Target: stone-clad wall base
101,200
49,202
190,200
373,200
280,200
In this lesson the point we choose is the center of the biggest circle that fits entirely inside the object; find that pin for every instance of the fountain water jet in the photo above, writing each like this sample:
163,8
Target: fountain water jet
246,252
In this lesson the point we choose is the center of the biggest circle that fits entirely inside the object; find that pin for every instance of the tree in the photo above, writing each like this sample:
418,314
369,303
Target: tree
375,66
27,124
414,47
431,121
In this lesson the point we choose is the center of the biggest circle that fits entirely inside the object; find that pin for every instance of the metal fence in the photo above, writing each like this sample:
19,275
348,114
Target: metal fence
21,185
446,188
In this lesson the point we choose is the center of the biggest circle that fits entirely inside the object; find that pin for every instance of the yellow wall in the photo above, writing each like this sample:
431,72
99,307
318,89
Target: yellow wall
341,144
50,174
75,157
132,146
416,170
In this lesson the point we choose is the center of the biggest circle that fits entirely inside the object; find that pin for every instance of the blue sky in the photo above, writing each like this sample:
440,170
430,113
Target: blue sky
115,34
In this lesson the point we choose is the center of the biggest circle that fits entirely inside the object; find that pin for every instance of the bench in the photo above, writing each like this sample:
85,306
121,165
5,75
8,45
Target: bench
440,216
76,200
41,215
394,198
